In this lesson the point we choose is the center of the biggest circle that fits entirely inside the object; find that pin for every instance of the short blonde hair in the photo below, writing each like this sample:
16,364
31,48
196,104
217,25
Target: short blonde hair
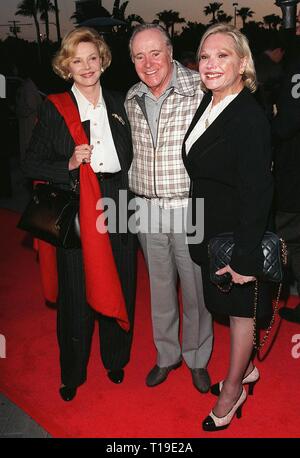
242,48
62,58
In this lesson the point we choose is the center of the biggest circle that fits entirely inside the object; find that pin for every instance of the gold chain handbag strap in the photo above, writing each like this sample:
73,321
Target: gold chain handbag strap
283,252
225,290
276,307
264,339
283,249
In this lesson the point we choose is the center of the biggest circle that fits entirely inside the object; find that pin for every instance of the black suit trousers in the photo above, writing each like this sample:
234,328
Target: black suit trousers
76,319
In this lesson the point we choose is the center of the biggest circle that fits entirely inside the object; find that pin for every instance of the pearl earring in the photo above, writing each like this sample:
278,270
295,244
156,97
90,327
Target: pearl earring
69,76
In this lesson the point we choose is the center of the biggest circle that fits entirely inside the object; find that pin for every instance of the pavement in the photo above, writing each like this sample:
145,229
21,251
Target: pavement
14,423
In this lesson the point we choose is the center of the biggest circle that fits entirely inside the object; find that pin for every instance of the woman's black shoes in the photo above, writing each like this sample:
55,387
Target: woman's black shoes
67,393
214,423
116,376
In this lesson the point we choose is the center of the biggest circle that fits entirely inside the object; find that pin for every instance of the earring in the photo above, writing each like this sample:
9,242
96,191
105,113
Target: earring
69,76
102,70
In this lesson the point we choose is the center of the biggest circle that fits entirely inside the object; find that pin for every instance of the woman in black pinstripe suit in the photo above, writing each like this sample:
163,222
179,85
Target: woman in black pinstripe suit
52,156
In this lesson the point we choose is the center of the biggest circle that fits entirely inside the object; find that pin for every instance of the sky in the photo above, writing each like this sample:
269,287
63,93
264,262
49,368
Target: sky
191,10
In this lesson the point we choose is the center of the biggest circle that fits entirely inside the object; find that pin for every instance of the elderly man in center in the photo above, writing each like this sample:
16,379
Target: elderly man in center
160,108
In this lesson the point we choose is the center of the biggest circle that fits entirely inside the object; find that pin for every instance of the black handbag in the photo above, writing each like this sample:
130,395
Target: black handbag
52,216
275,258
274,251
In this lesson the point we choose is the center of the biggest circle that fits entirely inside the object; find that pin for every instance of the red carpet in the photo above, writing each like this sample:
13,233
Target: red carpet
29,375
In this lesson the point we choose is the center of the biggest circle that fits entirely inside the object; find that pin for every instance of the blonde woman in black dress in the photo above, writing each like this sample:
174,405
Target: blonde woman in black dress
227,154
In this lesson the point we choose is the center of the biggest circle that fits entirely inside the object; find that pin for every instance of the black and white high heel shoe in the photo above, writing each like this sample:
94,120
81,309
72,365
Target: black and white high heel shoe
214,423
251,379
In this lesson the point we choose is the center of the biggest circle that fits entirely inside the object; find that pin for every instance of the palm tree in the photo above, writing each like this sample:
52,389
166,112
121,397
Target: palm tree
119,13
190,35
169,18
245,13
212,9
57,21
29,8
45,6
272,20
134,18
95,10
116,8
223,17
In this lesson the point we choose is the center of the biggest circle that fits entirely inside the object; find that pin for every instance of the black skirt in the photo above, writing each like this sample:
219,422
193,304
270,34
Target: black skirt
239,301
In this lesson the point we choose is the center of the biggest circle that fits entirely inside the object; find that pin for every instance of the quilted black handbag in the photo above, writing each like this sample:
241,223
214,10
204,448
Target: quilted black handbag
220,251
275,258
52,216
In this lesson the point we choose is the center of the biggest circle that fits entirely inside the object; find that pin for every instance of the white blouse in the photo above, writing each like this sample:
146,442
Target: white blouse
207,118
104,155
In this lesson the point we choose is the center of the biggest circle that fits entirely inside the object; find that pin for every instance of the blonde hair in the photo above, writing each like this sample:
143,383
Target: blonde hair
242,48
62,58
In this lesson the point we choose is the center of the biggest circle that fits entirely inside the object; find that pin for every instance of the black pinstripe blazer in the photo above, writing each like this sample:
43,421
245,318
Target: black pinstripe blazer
52,146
